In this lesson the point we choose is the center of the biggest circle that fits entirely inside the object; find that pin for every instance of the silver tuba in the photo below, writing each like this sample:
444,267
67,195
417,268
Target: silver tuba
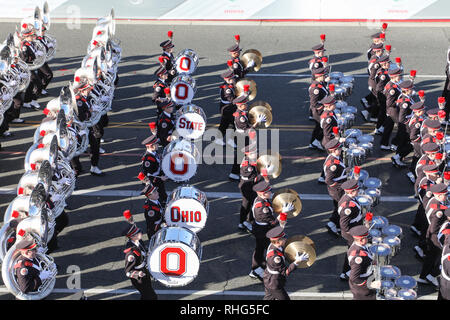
46,262
20,67
36,155
30,179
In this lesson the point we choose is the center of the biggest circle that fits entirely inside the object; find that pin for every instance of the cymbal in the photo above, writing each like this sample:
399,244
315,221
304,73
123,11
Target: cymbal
240,88
293,247
301,238
255,112
273,161
261,103
249,55
287,195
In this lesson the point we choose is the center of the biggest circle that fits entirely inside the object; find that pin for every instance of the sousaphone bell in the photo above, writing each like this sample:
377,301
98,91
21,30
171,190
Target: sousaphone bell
252,90
252,55
300,244
271,162
285,196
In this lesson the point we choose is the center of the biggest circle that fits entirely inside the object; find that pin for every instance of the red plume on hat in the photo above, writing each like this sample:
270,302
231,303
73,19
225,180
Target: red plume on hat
167,90
447,175
229,63
336,130
398,60
246,88
323,38
388,47
369,216
331,87
384,26
439,156
170,34
413,73
439,135
382,36
152,126
127,214
141,176
237,38
441,114
357,169
325,59
441,100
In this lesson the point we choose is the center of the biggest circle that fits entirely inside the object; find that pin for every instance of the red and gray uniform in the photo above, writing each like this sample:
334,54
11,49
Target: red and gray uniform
444,280
238,68
241,121
27,272
423,161
335,175
414,125
165,127
361,268
248,173
27,54
151,168
275,274
373,69
328,121
169,64
382,78
317,91
350,216
392,91
404,103
316,63
153,214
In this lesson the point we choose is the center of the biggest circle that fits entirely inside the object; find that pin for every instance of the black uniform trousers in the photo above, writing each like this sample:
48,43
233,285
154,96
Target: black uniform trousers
276,294
144,286
389,122
34,88
248,197
45,75
381,99
336,194
421,224
227,118
349,239
432,260
317,133
262,242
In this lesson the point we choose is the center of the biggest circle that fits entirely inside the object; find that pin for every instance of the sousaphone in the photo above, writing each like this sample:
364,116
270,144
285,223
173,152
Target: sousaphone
284,196
252,90
270,161
300,244
257,108
252,55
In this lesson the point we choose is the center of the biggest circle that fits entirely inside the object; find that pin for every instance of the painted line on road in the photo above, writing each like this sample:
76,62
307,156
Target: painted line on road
294,75
210,195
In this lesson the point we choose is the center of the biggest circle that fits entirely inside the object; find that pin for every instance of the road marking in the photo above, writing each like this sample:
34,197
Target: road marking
210,195
294,75
111,291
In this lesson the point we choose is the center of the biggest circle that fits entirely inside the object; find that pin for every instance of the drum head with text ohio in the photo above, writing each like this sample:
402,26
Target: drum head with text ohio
190,121
182,89
175,255
179,160
188,208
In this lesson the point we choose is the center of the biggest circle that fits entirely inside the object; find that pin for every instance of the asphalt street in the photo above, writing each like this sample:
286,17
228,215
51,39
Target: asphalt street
92,241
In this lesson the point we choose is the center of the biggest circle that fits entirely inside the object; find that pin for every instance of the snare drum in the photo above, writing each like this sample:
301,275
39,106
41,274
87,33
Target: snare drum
406,282
347,120
340,93
374,194
393,243
348,87
367,146
347,79
190,121
375,236
350,142
180,159
182,89
366,138
385,286
407,294
354,156
187,207
336,75
365,202
340,105
379,222
350,109
186,61
373,183
381,253
389,272
392,231
352,133
174,256
390,294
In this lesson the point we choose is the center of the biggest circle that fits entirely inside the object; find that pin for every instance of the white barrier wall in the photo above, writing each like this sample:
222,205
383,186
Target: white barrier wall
237,9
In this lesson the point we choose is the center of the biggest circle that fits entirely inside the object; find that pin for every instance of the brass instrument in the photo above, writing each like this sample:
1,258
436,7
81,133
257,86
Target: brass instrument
285,196
302,244
258,108
252,55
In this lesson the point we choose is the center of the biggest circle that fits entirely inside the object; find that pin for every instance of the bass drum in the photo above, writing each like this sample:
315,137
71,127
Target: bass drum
174,256
182,89
190,121
186,61
179,160
187,207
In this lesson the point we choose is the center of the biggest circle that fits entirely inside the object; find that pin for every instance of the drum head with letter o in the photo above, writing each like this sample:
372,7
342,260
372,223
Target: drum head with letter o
179,161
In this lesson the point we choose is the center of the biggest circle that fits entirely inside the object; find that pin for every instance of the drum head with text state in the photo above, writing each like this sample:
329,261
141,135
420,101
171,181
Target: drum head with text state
182,90
190,122
186,213
174,257
179,161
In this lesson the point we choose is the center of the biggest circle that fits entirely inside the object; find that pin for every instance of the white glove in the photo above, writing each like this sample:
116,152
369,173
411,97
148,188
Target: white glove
251,64
141,274
287,207
262,118
45,274
39,53
341,140
12,83
6,97
301,257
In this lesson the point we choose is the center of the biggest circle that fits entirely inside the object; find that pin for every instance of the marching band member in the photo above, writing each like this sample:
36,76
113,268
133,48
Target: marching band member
166,123
159,95
263,221
83,89
317,91
328,119
436,217
335,175
391,92
153,211
415,125
44,72
135,263
248,173
319,60
227,108
166,59
444,279
382,78
431,151
350,216
276,269
361,265
151,166
27,54
235,63
27,269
